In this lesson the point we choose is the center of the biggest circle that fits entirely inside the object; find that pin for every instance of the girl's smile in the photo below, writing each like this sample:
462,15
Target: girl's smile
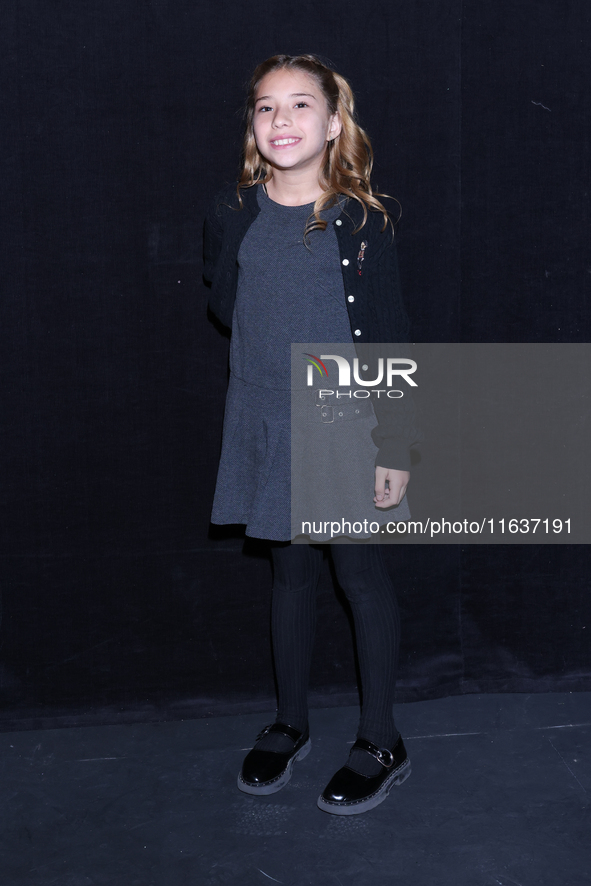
284,142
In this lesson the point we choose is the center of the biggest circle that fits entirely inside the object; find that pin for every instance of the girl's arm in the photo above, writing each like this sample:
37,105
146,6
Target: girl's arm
397,430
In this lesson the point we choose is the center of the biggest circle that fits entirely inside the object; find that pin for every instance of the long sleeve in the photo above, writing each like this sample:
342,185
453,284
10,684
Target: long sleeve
397,430
224,228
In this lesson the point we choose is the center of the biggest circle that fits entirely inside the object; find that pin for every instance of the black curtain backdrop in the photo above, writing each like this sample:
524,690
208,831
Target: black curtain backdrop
119,121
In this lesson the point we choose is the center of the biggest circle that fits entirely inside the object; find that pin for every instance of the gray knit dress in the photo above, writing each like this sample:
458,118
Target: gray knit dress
288,291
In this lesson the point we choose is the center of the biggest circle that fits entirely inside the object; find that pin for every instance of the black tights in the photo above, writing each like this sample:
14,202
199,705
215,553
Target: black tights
363,577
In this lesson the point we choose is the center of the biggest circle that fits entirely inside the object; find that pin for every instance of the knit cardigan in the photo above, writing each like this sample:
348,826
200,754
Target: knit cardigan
372,291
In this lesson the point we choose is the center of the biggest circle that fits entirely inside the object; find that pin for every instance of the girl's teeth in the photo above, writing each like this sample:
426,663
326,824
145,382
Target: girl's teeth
285,141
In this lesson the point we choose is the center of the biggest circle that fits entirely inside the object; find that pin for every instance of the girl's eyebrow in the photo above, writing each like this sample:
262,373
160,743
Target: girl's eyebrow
293,95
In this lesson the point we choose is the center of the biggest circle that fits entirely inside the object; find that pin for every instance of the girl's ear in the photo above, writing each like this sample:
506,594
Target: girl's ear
334,127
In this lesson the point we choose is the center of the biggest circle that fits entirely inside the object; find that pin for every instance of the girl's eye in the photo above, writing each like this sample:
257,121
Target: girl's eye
302,105
264,108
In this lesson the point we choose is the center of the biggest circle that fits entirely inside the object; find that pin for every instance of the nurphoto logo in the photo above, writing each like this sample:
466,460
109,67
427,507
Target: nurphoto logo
387,371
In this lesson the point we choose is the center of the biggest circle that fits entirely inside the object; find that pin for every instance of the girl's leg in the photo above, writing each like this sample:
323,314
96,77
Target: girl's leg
363,577
296,569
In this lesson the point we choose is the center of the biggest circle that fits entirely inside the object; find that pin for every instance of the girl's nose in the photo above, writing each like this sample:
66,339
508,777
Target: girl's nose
281,118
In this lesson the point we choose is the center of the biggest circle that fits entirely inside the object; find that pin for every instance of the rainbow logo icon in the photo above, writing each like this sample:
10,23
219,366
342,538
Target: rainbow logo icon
315,362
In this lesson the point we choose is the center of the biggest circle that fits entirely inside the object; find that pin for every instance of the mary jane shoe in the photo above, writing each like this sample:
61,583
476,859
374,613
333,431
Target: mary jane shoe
266,772
349,793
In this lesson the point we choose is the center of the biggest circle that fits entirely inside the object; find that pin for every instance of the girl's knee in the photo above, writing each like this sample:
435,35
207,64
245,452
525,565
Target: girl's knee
296,569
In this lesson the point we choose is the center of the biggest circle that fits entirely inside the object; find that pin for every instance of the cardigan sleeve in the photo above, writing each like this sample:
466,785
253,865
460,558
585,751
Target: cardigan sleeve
397,430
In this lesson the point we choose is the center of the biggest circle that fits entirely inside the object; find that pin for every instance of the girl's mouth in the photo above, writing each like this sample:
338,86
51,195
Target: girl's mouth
284,142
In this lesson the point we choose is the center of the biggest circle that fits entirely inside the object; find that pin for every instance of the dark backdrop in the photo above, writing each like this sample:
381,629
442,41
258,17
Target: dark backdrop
120,120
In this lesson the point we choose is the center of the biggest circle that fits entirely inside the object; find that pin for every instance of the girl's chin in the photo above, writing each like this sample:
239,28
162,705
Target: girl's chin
287,163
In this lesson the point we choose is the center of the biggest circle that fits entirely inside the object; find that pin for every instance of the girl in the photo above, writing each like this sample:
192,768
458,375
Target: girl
283,251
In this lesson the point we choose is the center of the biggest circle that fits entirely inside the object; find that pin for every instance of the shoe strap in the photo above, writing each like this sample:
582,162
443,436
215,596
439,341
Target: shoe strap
382,755
283,729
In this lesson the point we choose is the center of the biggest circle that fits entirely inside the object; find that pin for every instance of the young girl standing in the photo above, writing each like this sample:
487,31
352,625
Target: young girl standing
283,251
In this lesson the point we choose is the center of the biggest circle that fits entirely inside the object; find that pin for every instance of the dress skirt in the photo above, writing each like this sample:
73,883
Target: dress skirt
284,488
253,483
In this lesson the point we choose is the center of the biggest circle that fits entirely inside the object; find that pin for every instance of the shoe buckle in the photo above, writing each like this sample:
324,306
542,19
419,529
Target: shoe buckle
385,757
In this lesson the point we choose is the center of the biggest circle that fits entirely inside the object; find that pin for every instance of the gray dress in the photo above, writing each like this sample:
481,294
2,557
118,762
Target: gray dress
288,291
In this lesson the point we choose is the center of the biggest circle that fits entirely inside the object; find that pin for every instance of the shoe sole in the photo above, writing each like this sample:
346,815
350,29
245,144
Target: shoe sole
271,787
354,808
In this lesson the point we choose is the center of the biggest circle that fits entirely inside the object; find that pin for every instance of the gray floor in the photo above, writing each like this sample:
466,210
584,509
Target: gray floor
499,796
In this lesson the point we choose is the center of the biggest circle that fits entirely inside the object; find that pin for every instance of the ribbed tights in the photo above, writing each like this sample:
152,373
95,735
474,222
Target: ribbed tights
362,575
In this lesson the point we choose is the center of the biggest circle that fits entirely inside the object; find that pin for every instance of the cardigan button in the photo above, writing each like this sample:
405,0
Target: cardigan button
338,222
345,261
357,332
365,367
350,298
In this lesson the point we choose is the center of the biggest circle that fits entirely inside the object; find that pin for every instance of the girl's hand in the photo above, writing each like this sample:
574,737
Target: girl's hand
394,493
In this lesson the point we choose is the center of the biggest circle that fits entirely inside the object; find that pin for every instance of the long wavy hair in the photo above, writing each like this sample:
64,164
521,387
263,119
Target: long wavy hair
349,157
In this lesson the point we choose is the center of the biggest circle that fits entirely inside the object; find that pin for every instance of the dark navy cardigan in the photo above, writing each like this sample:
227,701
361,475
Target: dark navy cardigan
373,298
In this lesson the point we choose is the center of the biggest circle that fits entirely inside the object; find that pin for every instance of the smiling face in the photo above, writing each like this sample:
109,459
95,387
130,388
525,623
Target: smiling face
292,124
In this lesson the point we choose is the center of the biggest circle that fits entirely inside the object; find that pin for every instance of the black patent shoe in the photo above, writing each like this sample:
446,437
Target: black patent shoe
265,772
348,792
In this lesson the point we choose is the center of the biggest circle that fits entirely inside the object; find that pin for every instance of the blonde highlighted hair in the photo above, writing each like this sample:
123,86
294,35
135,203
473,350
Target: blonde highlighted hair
349,157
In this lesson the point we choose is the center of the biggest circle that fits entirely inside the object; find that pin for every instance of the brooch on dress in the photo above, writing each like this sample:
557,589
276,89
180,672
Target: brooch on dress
361,256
